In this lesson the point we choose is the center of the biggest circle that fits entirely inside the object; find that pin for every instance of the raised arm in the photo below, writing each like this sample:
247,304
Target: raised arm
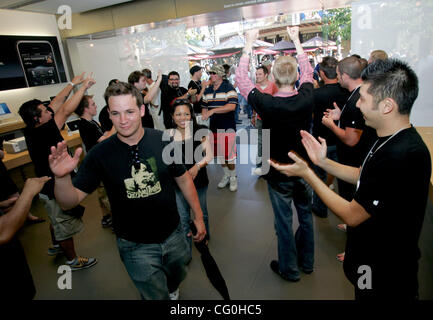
243,82
64,94
71,104
62,164
305,68
154,90
11,222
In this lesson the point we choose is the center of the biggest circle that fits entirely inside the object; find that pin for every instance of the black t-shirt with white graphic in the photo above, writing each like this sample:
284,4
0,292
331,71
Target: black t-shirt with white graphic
393,189
90,132
140,189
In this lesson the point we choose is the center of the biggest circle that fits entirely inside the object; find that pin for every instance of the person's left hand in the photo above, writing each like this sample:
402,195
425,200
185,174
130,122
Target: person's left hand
193,171
297,169
327,121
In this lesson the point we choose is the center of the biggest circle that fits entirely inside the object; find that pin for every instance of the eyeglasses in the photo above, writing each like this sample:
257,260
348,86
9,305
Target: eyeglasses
212,72
135,157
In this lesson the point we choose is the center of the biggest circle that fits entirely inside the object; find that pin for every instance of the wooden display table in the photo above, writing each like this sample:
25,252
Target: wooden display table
14,160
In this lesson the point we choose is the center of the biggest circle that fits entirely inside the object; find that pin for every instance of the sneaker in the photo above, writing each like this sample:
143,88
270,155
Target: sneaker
258,171
107,221
174,295
224,182
54,250
82,263
275,268
233,183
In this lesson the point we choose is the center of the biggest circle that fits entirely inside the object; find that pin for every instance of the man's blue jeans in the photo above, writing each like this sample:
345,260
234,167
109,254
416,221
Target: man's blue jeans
319,207
293,251
185,216
157,268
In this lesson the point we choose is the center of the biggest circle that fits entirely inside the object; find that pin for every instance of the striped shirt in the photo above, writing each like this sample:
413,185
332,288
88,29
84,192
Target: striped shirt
225,94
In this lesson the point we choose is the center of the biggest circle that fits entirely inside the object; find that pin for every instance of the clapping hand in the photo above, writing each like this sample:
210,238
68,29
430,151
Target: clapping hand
334,114
315,150
61,163
297,169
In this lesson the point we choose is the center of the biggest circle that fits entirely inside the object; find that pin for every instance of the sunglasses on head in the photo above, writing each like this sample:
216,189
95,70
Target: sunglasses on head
212,72
181,101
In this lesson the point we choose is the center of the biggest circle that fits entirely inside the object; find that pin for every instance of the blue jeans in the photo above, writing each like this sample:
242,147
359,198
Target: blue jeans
293,251
318,206
184,212
157,268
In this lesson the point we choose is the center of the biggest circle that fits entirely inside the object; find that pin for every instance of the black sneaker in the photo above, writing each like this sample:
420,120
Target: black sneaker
275,268
107,221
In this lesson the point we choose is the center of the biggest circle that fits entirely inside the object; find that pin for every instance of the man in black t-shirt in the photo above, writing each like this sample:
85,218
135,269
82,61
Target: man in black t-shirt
104,117
15,276
43,132
387,211
324,98
353,137
195,83
170,91
91,133
139,180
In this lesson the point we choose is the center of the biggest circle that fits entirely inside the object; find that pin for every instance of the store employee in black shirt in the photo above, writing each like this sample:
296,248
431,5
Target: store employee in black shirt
392,184
140,186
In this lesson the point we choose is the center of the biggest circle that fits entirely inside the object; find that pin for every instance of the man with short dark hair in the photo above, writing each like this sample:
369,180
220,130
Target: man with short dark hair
137,79
324,98
387,210
197,84
42,132
170,91
140,186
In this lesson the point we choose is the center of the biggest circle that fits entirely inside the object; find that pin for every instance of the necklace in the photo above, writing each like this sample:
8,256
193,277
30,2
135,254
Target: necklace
344,107
371,153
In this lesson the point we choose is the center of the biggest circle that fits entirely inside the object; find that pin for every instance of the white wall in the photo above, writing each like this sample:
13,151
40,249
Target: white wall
30,24
404,29
118,56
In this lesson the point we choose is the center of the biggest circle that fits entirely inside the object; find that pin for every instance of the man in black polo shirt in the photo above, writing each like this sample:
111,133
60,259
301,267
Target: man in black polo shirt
324,98
140,186
387,211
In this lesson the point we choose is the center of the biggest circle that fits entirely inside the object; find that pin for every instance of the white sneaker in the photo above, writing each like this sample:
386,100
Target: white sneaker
258,171
233,183
224,182
174,295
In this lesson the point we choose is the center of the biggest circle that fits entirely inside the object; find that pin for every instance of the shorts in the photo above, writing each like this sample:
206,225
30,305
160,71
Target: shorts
225,145
64,225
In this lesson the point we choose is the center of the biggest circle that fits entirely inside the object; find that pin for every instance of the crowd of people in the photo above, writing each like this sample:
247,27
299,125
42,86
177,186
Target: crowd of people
353,126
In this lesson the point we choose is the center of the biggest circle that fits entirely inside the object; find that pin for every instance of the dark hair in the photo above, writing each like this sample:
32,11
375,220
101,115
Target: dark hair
351,66
113,81
392,78
147,73
364,63
226,67
29,110
123,88
184,102
329,67
134,77
356,56
84,103
265,70
173,73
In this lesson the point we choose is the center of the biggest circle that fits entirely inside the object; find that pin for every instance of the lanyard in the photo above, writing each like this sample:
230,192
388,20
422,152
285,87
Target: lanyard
344,107
370,154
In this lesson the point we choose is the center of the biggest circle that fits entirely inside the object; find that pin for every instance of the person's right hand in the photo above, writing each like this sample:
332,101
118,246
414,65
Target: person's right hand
35,185
315,150
78,79
334,114
89,81
61,163
192,91
250,37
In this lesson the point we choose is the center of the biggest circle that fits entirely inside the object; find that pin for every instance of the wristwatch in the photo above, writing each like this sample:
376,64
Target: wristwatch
71,83
198,165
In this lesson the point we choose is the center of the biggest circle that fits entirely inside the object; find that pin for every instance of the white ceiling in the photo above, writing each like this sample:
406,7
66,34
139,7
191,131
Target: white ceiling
50,6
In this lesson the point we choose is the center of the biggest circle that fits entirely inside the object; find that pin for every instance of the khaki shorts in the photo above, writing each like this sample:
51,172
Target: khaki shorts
64,225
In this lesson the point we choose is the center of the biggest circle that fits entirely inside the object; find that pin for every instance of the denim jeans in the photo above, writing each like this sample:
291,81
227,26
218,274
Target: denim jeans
157,268
184,212
318,206
293,251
